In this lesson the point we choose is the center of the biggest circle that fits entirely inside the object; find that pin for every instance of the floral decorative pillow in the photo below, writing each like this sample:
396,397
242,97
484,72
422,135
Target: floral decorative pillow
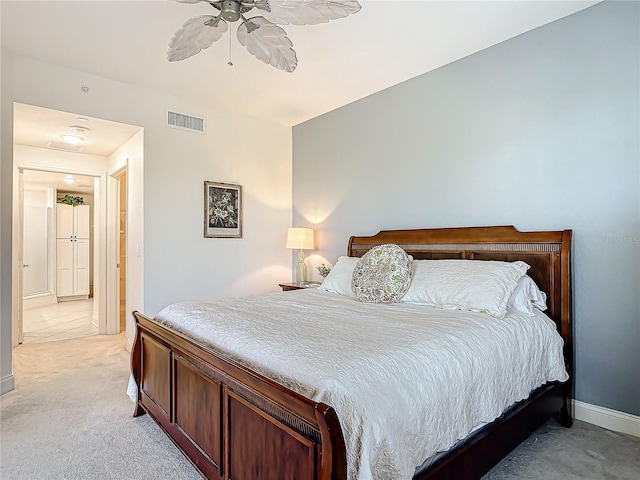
382,275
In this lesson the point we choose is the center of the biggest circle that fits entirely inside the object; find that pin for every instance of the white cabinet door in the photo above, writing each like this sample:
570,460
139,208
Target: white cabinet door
64,220
64,255
81,221
81,266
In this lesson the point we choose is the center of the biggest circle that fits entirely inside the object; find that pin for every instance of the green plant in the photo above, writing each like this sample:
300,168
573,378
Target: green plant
323,270
72,200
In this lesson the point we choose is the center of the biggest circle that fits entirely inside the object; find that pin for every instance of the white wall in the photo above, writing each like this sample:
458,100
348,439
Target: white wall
56,160
6,210
542,132
179,263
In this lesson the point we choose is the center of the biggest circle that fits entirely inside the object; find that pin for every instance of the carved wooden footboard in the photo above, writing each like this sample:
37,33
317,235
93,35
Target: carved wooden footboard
230,422
235,424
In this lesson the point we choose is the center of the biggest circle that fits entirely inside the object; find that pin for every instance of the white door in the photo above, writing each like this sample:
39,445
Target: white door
36,250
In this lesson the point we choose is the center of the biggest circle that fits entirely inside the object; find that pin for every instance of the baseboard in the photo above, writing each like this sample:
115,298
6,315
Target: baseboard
38,301
129,345
607,418
6,384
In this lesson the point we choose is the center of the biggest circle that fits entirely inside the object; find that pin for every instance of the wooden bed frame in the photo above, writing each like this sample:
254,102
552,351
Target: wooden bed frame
235,424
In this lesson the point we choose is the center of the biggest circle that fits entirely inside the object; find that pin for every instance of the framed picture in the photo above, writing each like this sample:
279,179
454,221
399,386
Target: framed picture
222,210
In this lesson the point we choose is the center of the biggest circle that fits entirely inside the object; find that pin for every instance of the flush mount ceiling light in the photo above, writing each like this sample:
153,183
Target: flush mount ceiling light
72,139
260,34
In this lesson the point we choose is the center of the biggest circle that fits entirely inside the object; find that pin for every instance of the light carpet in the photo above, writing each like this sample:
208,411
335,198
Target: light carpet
69,418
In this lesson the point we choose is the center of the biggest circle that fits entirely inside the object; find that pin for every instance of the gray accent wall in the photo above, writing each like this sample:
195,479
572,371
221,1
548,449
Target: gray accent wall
541,132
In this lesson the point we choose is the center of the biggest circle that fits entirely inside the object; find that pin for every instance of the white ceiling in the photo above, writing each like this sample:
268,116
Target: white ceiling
387,42
42,127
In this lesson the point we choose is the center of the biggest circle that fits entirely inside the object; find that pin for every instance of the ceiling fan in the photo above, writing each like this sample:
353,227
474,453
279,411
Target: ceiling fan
261,35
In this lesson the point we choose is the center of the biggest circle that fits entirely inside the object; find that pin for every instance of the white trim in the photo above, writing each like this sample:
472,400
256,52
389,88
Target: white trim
607,418
112,236
39,301
6,384
129,345
55,169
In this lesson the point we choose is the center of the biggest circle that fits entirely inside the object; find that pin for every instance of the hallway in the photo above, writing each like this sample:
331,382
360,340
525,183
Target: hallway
59,321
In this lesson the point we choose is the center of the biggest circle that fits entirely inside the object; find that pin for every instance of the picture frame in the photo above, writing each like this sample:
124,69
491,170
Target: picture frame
222,210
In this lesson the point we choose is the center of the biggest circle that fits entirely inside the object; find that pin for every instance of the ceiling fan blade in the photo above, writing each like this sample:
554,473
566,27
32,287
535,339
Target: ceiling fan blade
196,34
192,1
307,12
268,43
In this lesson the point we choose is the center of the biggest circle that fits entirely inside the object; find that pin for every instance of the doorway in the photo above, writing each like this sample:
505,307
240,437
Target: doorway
57,262
104,147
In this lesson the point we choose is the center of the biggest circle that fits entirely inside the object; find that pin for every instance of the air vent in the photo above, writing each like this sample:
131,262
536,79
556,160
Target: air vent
67,147
186,122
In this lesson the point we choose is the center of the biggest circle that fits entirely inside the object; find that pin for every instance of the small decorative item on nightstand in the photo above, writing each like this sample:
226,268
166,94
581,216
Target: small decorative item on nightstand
302,239
323,270
297,286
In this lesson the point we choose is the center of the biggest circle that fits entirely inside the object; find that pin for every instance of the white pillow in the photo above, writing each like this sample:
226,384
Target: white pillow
475,285
382,275
339,278
526,296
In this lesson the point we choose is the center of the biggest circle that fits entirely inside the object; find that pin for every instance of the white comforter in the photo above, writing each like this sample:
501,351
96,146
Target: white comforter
406,381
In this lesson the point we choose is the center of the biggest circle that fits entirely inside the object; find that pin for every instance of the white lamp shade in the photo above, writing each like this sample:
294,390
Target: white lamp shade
301,238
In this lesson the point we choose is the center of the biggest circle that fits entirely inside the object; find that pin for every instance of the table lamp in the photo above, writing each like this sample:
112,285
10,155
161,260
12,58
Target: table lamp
302,239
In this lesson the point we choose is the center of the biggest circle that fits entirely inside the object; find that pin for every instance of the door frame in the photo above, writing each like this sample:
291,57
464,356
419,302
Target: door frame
19,263
104,271
113,249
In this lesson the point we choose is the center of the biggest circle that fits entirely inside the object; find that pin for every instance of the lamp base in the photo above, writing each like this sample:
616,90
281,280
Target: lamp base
301,269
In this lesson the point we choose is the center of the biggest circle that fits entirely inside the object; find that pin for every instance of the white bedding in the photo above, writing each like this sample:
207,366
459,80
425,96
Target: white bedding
406,381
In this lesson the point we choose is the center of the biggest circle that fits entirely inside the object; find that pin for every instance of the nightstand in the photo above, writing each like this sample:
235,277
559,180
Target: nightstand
297,286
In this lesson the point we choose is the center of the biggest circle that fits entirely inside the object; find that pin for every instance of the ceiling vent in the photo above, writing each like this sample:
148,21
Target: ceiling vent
186,122
66,147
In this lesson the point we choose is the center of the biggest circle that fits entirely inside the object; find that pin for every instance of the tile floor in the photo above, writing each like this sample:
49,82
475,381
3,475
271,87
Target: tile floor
59,321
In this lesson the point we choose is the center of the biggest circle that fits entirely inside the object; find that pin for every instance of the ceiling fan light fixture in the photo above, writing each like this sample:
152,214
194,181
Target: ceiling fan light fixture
230,10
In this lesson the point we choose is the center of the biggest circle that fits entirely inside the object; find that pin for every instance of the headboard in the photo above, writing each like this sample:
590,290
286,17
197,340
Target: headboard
548,254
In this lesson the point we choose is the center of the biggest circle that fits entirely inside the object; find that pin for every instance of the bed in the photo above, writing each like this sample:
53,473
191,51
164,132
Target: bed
233,421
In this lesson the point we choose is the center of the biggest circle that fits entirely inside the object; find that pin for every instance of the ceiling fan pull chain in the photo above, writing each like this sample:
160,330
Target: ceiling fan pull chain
230,63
